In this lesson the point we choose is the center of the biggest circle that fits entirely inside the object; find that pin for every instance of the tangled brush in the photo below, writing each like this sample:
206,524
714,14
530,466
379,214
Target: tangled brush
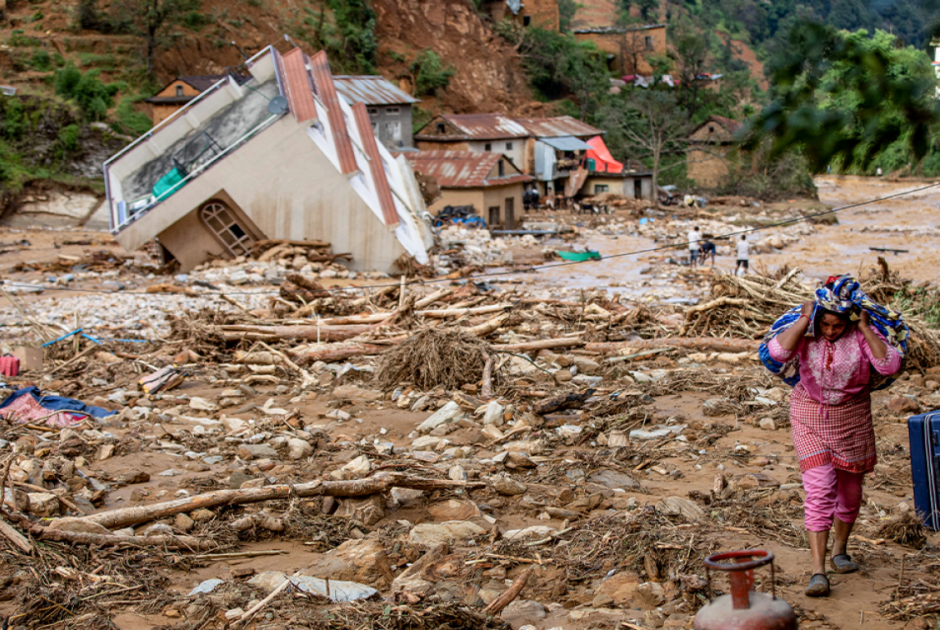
433,358
905,529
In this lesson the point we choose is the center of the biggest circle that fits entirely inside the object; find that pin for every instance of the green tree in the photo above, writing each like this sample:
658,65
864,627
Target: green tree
843,98
430,72
93,96
151,20
645,122
566,12
646,8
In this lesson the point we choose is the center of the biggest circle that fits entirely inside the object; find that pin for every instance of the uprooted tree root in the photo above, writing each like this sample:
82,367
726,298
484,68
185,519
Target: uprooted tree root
434,358
904,529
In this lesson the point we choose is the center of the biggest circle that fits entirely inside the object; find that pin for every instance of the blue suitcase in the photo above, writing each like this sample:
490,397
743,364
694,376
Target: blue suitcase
925,466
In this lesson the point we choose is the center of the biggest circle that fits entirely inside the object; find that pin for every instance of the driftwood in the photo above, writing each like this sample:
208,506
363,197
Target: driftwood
108,540
338,352
238,332
541,344
380,482
486,391
481,330
690,343
434,297
15,537
563,401
460,312
511,593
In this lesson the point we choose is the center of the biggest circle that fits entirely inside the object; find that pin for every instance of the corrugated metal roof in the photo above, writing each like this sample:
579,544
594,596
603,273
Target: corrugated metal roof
463,169
371,90
297,85
558,126
323,84
382,188
566,143
486,126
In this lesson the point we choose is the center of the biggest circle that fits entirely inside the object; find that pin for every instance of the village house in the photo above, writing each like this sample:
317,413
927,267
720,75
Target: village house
541,14
487,181
388,106
628,48
278,156
181,90
708,151
546,148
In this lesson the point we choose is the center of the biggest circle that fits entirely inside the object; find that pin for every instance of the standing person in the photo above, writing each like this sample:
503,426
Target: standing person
830,416
695,237
744,254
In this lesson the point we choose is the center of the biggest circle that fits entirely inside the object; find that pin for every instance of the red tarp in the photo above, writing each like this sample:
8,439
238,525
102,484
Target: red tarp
603,160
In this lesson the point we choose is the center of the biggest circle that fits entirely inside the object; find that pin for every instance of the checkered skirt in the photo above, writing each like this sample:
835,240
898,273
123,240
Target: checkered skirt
841,435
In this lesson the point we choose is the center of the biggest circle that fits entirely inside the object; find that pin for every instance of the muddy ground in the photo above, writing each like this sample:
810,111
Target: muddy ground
630,518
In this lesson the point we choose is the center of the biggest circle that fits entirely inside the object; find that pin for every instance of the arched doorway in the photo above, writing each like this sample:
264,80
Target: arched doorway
223,224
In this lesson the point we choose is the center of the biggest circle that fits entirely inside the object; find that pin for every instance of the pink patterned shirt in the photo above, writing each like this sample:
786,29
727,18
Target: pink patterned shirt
833,372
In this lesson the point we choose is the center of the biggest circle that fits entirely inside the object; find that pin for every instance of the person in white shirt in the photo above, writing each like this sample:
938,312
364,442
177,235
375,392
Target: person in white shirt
744,252
694,238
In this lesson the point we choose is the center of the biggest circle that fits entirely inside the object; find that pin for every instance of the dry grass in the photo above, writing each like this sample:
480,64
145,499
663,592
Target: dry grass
904,529
433,358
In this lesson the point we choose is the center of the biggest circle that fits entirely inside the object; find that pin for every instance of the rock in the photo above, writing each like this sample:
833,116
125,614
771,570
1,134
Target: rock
183,523
562,376
206,587
523,610
507,486
677,506
340,590
617,439
298,449
651,594
904,406
601,601
432,534
406,496
359,466
768,424
932,385
457,473
233,613
357,561
494,413
535,531
202,515
918,624
201,404
70,524
236,479
587,366
451,412
368,511
454,510
519,460
351,392
492,433
234,425
42,503
256,451
621,588
613,479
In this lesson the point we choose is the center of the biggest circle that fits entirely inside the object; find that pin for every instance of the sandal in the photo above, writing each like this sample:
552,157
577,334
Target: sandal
818,586
842,563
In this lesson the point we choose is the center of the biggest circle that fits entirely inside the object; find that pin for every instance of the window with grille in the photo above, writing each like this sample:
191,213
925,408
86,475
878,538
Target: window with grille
221,221
179,90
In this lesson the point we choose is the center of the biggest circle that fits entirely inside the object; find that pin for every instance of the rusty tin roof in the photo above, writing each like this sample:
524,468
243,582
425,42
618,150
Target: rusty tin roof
371,90
558,126
464,169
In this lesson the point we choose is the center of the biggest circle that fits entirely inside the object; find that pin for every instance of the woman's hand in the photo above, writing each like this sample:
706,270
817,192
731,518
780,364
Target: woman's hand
791,338
807,308
864,320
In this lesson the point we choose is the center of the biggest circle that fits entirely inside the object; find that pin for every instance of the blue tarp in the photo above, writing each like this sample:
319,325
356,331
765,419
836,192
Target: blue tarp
56,403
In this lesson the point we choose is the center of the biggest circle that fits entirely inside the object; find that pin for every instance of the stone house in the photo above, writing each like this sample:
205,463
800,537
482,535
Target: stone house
627,48
709,149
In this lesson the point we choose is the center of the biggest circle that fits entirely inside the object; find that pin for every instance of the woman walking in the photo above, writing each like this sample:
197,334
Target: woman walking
836,350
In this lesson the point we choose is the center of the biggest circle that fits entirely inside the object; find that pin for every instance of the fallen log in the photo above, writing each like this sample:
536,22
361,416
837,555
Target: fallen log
434,297
459,312
481,330
511,593
486,391
238,332
690,343
376,484
541,344
110,540
337,352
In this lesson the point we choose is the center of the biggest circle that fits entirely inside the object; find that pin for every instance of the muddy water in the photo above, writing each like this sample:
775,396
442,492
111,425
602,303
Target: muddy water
833,250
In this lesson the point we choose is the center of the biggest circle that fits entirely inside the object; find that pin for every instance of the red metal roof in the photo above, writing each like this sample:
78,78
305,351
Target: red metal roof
558,126
297,85
464,169
377,168
323,84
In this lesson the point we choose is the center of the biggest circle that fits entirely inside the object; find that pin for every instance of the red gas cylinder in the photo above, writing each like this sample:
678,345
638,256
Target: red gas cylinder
744,609
9,365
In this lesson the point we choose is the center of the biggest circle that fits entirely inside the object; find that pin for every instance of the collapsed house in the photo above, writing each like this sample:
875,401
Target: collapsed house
278,156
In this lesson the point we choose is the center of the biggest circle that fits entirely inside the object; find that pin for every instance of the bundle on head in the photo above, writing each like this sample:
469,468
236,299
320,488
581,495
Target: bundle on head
434,358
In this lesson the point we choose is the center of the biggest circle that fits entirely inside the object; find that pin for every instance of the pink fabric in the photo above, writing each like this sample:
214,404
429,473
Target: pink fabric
27,409
834,372
831,493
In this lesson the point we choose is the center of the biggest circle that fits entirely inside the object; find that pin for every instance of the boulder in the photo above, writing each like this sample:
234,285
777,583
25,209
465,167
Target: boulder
432,534
298,449
451,412
454,510
79,525
651,594
256,451
507,486
357,561
620,587
42,503
613,479
368,511
678,506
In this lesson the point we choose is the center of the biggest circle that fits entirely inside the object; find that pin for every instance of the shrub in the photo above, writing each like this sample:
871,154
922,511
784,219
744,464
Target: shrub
92,95
430,72
67,140
129,121
195,21
41,61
